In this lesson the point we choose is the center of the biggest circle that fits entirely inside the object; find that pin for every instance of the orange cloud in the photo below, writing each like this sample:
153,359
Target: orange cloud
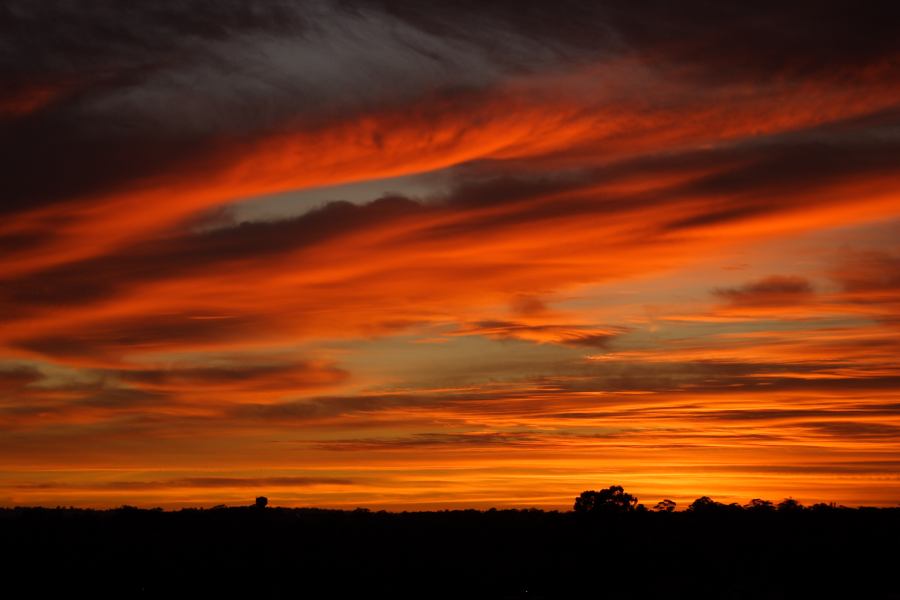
575,260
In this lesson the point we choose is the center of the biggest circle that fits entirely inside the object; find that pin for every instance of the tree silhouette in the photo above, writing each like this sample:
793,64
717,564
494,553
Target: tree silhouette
611,499
665,506
760,505
789,504
261,502
704,504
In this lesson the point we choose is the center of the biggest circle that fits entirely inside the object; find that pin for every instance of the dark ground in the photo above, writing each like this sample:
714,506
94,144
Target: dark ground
308,553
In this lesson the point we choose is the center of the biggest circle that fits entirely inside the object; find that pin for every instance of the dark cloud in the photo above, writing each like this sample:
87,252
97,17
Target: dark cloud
111,394
110,340
723,39
288,378
790,164
702,377
777,290
796,415
485,399
432,440
194,252
656,381
225,374
856,429
569,335
858,382
13,378
717,216
869,466
325,407
747,178
112,398
868,271
88,158
96,393
258,482
190,482
112,72
750,176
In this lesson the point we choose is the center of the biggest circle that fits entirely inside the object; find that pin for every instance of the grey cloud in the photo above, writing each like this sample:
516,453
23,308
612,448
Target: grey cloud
181,78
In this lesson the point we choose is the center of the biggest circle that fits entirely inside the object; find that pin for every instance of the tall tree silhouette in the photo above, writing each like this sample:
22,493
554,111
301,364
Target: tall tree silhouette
704,504
611,499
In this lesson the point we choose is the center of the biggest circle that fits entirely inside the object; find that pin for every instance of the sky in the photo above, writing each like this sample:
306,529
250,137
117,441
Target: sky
406,255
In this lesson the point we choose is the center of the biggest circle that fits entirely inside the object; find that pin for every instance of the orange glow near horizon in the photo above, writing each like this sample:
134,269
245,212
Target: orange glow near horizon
625,271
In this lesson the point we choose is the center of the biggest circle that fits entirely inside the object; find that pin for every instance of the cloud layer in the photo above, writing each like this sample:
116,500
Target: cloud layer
658,247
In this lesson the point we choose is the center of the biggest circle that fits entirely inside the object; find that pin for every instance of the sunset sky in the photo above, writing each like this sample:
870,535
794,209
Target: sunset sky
408,255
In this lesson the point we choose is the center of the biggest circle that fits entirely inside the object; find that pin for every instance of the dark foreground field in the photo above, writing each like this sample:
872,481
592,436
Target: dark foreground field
307,553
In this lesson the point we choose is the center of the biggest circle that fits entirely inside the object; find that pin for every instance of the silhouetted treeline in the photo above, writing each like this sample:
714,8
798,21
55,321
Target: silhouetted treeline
615,499
710,551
